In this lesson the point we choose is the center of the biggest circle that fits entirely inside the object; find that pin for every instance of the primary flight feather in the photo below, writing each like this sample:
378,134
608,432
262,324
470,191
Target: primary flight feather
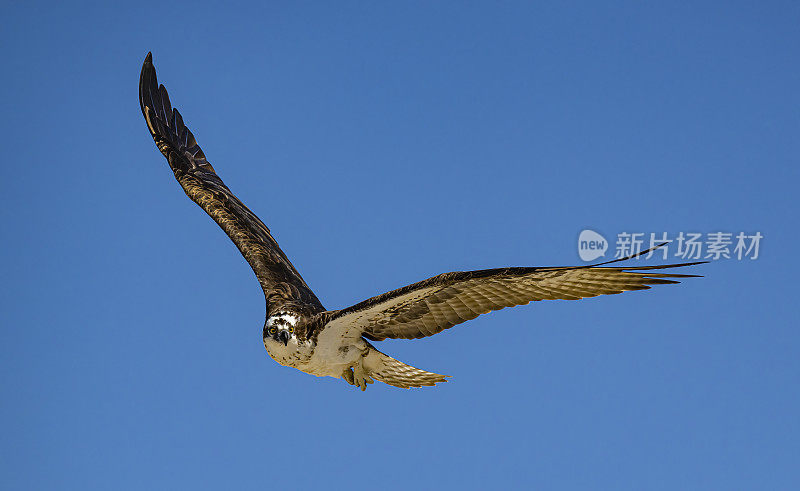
300,333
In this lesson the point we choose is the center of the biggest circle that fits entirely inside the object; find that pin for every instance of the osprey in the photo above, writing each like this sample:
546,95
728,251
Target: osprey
300,333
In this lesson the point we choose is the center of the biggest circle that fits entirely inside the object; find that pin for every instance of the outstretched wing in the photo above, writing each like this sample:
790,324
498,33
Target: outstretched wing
278,277
433,305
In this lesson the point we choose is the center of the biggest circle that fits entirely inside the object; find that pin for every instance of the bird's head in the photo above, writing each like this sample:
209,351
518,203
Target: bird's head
280,327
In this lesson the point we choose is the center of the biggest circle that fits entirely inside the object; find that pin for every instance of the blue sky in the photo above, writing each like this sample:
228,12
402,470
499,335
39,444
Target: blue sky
384,143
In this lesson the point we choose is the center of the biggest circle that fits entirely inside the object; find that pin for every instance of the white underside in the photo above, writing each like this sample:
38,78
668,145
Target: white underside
330,357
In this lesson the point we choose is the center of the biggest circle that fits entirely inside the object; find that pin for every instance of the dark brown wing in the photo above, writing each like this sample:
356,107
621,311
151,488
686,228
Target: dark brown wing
433,305
279,279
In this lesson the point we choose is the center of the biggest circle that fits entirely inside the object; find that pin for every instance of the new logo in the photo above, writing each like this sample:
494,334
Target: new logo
591,245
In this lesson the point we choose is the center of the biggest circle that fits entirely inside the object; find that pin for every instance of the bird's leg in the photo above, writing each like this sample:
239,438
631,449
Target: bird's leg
361,376
347,375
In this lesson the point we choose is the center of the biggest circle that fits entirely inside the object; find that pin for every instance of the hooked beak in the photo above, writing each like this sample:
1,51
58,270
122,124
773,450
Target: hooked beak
284,336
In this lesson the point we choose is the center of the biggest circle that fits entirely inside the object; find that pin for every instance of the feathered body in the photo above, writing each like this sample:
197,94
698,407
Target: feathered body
305,344
299,332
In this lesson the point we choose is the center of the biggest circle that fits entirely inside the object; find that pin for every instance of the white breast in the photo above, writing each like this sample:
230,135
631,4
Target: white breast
290,354
328,357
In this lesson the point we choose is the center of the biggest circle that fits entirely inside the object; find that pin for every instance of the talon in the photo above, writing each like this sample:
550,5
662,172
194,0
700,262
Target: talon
347,375
361,377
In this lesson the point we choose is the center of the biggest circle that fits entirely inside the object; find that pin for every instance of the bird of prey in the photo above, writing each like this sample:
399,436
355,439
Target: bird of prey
299,332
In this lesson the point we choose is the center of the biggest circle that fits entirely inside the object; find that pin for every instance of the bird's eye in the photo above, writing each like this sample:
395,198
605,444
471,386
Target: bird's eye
291,329
273,330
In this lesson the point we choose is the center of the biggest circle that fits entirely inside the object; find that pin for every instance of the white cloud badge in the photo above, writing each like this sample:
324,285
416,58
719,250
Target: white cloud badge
591,245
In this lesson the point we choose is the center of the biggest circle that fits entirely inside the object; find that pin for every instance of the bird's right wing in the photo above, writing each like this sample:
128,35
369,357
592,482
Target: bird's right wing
278,277
438,303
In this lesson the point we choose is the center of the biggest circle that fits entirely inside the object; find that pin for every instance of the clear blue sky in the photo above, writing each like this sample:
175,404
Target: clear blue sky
383,144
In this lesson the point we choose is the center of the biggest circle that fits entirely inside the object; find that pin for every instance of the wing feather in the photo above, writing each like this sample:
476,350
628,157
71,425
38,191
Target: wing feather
279,279
438,303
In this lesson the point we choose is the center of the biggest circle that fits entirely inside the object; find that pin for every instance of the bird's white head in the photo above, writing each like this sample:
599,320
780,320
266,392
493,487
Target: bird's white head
280,327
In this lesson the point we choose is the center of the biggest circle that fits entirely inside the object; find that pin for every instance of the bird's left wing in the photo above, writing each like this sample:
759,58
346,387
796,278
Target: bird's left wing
438,303
278,277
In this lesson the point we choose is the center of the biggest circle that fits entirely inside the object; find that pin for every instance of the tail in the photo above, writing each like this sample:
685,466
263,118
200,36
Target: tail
390,371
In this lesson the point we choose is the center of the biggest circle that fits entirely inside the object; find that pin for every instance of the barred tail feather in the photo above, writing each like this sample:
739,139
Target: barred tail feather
393,372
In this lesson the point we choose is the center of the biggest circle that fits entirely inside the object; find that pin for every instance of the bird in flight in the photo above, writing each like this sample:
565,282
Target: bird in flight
299,332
